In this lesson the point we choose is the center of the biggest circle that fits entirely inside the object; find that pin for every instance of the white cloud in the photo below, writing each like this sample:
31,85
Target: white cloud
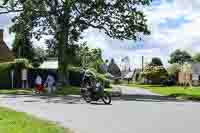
160,43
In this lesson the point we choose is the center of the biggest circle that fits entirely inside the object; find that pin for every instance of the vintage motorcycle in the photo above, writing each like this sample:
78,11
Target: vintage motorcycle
91,90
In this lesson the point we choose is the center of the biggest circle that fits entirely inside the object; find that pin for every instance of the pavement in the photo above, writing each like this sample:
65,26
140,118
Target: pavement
136,111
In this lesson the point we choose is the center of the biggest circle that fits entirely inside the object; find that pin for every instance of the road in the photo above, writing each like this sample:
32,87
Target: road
141,112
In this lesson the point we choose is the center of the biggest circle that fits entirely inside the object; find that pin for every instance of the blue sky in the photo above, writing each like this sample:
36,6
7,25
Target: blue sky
173,24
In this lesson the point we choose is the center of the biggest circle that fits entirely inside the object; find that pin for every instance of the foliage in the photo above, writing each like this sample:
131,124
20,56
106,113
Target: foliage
40,56
196,58
173,91
5,75
65,20
13,122
186,67
174,69
5,69
155,73
180,57
20,63
156,62
22,47
114,69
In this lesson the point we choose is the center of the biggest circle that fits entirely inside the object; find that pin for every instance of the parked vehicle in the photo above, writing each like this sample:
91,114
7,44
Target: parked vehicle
91,90
169,82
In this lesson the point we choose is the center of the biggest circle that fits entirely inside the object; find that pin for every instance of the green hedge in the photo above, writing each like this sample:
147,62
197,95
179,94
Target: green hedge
5,69
5,81
74,74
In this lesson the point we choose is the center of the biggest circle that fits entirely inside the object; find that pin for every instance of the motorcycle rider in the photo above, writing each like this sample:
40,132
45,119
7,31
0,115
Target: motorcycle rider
88,79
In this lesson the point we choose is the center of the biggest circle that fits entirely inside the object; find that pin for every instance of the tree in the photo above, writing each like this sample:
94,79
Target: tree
173,69
155,73
65,20
156,62
196,57
39,56
22,47
125,63
114,69
180,57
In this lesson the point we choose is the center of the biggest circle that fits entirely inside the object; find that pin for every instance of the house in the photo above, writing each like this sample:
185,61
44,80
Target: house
190,75
50,63
6,54
136,74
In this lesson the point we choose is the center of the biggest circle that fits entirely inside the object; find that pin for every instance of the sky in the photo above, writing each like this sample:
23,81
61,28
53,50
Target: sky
174,24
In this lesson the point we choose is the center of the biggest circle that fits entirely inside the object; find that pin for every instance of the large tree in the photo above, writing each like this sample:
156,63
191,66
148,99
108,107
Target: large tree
156,62
196,57
65,20
180,57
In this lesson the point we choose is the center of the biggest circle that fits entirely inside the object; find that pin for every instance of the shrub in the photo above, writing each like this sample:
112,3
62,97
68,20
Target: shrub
5,81
155,73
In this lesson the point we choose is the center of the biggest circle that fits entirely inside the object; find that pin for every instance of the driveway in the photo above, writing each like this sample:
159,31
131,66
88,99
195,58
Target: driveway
138,113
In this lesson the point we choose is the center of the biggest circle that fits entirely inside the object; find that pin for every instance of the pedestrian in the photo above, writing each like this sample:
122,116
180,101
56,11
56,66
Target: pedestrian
50,83
38,84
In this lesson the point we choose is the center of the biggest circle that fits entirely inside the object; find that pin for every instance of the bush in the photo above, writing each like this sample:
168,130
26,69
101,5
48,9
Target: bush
155,73
5,80
5,75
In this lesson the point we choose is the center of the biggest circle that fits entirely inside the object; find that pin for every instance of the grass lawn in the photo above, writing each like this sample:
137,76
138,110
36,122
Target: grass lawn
16,91
17,122
175,91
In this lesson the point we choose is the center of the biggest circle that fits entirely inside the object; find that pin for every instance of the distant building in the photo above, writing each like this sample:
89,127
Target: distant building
50,63
6,54
192,75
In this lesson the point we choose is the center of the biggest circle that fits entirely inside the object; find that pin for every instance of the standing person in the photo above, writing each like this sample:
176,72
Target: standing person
50,81
38,84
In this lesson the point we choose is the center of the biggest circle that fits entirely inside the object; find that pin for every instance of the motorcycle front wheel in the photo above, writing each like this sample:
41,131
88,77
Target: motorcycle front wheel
86,96
106,98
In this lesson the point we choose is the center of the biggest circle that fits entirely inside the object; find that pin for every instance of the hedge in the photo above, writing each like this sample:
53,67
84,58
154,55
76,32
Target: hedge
5,78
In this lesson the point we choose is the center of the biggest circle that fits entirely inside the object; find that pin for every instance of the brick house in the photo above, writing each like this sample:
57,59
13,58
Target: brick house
191,75
6,54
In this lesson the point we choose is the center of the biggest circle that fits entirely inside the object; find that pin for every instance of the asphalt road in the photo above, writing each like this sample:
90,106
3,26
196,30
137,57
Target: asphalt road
139,113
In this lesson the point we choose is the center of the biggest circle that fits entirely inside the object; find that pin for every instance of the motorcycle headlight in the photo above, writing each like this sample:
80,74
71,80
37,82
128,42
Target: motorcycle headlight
98,85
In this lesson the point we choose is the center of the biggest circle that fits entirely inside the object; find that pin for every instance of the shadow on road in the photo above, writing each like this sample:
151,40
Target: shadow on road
149,98
75,99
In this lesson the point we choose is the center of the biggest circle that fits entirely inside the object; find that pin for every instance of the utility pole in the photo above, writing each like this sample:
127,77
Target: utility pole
142,63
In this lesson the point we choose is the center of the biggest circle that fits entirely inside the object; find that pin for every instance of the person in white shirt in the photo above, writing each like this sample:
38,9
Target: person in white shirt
50,81
38,84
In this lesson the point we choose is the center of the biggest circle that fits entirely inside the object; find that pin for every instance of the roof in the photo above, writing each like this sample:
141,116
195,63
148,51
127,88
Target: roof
196,68
129,75
5,53
51,64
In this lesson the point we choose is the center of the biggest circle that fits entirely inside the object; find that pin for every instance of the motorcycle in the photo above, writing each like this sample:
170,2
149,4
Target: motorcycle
91,90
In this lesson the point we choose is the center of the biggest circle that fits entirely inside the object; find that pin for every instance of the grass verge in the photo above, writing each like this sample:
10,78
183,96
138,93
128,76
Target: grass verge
173,91
16,91
17,122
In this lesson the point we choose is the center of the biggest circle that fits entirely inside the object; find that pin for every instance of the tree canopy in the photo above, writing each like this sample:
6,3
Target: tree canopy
65,20
156,62
180,57
196,57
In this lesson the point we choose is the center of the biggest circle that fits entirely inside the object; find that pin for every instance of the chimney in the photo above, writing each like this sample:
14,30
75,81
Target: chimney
1,34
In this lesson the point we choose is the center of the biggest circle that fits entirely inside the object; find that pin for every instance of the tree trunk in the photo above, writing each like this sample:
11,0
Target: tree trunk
63,74
63,42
